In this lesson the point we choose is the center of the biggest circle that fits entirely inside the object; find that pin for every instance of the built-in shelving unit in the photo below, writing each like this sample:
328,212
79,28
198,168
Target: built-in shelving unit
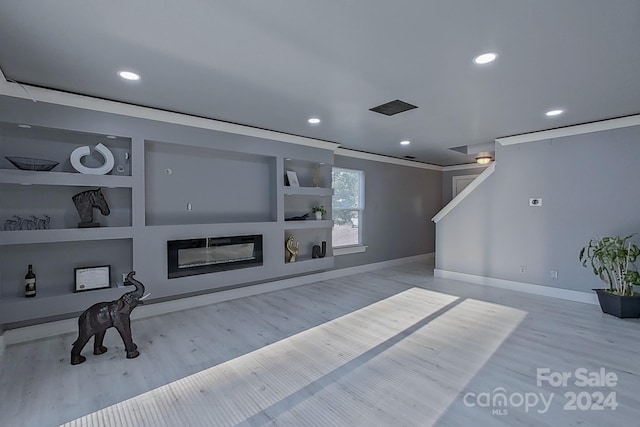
169,183
56,251
314,190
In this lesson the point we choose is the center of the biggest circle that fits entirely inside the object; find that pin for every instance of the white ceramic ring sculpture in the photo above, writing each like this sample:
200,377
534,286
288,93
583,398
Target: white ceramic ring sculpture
80,152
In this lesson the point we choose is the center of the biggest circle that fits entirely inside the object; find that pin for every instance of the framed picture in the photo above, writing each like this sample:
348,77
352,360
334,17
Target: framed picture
90,278
292,177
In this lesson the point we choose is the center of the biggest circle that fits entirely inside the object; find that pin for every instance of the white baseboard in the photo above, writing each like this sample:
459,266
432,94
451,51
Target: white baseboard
46,330
333,274
530,288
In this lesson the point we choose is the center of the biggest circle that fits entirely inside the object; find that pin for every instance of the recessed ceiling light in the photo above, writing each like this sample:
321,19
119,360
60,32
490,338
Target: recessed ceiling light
314,120
25,126
129,75
552,113
485,58
405,142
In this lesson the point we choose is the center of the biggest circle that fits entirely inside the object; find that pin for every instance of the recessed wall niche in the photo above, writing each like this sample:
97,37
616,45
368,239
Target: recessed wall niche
195,185
56,202
58,144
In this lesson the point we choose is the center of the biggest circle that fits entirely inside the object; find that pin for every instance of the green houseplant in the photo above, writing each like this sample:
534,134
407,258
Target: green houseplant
612,260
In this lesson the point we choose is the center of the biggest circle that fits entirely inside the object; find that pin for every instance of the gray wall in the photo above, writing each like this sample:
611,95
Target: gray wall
447,180
221,186
399,203
247,173
400,200
589,187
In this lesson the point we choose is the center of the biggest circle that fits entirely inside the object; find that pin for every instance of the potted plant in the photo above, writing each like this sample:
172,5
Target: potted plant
319,211
612,260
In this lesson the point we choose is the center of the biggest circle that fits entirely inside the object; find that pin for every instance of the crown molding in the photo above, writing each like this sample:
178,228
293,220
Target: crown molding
51,96
465,167
379,158
617,123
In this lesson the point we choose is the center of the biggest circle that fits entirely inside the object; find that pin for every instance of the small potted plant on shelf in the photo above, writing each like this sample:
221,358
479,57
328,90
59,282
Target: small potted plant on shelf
319,211
612,260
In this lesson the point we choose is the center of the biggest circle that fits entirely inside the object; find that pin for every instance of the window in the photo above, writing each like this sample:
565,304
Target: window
348,206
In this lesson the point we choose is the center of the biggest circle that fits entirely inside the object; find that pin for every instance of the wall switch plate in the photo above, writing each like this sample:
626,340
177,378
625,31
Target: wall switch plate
554,274
535,201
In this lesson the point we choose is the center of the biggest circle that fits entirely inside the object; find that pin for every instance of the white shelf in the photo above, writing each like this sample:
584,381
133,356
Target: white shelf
16,309
188,231
11,176
307,191
308,224
308,264
64,235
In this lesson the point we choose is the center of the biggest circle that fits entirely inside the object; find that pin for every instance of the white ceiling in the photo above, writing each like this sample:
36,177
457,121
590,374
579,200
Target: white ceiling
273,64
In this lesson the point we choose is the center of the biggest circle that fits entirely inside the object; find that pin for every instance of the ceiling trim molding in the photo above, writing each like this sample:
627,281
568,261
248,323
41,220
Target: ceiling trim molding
465,166
51,96
379,158
620,122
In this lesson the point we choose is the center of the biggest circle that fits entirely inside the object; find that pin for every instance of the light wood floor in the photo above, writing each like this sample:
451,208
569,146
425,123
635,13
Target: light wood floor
386,348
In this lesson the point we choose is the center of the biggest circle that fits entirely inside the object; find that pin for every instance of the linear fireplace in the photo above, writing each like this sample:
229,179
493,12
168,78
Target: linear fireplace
210,254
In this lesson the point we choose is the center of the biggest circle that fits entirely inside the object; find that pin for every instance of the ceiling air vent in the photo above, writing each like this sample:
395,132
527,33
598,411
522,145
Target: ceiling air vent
393,107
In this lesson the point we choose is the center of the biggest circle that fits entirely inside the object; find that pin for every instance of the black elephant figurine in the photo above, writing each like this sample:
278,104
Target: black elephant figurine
95,320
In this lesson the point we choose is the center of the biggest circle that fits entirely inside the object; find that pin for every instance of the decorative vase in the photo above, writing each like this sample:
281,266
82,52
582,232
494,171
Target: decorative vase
318,215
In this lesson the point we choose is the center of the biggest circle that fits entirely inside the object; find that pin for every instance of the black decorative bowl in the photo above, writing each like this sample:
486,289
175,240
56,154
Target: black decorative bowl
29,164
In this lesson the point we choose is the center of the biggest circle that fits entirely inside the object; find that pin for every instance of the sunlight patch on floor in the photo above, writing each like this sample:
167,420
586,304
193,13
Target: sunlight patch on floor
339,372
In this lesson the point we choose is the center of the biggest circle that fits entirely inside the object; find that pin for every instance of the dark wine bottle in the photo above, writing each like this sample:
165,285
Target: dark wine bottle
30,283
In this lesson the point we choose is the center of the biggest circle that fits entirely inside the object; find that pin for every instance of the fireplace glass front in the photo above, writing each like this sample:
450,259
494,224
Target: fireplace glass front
210,254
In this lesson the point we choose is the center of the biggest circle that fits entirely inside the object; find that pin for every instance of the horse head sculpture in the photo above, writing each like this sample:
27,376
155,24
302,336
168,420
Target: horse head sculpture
85,202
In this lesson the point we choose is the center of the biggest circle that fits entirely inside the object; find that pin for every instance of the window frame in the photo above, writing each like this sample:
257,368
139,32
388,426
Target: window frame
359,246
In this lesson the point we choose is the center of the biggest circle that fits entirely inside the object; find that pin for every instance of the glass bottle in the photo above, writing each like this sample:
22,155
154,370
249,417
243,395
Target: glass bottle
30,283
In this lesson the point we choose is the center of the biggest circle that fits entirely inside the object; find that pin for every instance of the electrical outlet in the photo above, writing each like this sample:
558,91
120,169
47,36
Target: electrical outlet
523,269
189,207
554,274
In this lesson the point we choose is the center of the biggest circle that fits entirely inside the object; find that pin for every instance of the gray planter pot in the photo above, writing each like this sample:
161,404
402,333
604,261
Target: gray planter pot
617,305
